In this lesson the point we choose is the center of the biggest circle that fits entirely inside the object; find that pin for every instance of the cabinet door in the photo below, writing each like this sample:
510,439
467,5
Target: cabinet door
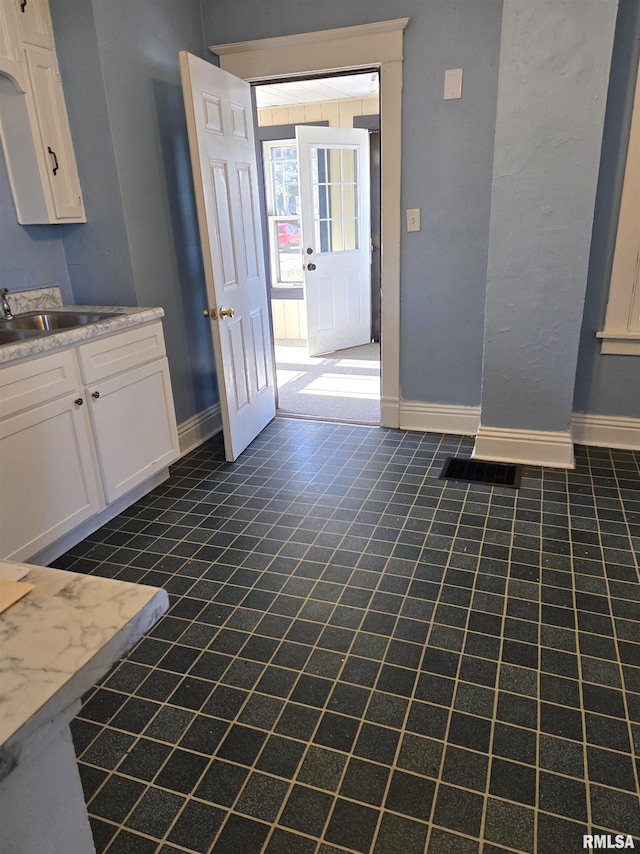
35,22
48,482
58,160
11,55
134,426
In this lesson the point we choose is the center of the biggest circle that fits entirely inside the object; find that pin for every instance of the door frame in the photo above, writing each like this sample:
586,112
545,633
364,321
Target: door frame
378,45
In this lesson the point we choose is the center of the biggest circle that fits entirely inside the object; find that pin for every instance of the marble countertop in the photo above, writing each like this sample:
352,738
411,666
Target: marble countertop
40,344
57,642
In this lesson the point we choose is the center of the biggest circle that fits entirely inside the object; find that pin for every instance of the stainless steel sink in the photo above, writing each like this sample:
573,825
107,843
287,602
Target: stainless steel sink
11,336
44,322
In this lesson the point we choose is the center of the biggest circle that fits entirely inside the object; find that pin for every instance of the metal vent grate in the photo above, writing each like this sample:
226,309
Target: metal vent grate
477,471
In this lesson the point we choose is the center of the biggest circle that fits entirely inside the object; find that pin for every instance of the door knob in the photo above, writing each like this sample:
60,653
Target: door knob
311,266
225,312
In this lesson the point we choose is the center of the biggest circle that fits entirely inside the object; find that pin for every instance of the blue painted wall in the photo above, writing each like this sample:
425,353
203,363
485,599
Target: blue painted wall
97,252
140,246
120,73
446,169
447,156
31,256
610,385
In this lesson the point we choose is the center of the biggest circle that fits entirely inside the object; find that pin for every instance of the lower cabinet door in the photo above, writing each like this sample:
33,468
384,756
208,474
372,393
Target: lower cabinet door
134,425
48,481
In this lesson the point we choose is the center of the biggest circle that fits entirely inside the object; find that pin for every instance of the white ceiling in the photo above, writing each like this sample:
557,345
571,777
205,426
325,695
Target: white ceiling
312,91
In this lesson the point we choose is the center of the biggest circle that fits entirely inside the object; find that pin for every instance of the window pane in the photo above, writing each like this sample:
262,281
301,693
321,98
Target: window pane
284,193
286,253
335,198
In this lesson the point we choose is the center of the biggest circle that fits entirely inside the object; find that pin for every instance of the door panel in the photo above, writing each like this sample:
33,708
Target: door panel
249,216
259,325
233,328
334,192
220,126
223,224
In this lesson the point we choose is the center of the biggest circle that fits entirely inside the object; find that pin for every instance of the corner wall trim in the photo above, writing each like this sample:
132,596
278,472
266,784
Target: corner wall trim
439,418
606,431
200,427
389,412
528,447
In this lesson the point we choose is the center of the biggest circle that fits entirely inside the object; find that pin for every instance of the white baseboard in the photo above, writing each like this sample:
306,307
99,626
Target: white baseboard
199,428
606,431
529,447
439,418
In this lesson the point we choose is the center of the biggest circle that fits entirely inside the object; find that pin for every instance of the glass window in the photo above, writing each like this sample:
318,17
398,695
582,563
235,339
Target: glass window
335,198
283,208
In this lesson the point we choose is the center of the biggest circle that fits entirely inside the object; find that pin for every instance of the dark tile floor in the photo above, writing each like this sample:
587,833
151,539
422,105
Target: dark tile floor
360,657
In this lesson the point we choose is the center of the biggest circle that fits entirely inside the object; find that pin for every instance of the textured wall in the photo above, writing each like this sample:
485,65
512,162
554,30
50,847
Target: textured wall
30,255
610,385
97,252
119,67
446,168
141,243
554,71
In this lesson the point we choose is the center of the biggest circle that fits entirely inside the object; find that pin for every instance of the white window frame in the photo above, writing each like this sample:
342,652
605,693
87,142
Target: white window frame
621,333
278,287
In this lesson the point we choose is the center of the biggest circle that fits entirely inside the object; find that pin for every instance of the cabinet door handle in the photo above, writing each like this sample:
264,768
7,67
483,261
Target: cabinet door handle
55,159
22,6
78,401
95,394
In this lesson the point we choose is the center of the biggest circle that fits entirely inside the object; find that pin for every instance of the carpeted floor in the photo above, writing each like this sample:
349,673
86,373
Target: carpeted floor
341,386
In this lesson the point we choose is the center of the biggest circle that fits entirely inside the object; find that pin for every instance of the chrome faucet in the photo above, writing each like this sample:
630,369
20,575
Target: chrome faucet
4,302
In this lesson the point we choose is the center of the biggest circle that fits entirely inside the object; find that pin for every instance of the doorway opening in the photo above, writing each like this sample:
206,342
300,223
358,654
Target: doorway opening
325,303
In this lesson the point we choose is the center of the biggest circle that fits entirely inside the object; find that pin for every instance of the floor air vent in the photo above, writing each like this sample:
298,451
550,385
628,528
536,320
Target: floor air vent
477,471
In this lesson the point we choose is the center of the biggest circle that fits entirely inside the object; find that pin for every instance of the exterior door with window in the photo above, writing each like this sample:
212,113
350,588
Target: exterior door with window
336,241
223,159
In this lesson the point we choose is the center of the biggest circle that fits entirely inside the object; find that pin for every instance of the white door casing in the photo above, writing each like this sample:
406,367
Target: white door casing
378,45
223,159
335,215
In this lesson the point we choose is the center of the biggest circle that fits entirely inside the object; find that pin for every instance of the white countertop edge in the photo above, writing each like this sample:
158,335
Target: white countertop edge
122,613
127,316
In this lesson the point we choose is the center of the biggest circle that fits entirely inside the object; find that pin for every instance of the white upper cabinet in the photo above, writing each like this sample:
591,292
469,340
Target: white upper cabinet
54,138
11,53
33,118
35,22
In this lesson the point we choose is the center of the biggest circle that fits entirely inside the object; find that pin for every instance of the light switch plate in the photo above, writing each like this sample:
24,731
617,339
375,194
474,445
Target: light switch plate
452,84
413,219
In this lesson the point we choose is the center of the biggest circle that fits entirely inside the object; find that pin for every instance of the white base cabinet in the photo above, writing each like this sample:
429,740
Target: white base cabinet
47,477
133,426
78,433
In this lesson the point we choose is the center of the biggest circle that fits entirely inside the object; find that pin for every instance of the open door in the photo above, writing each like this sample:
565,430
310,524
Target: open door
223,159
336,239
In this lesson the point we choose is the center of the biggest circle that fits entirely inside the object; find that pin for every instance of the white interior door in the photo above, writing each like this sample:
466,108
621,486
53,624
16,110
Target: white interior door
336,239
223,159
